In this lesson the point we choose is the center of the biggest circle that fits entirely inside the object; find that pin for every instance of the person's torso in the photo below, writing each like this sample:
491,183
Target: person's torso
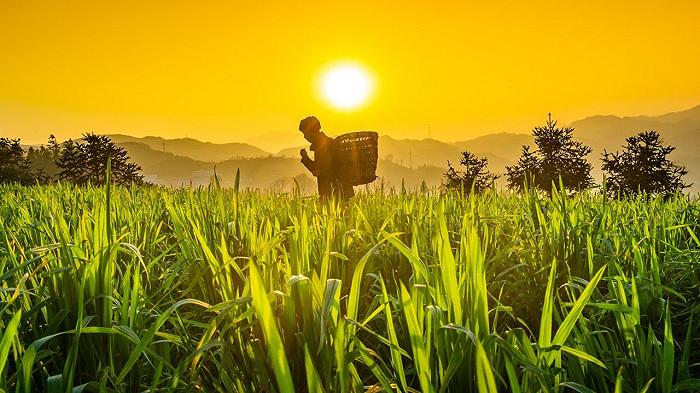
329,177
324,157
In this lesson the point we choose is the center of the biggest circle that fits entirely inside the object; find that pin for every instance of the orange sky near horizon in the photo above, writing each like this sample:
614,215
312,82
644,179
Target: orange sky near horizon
235,71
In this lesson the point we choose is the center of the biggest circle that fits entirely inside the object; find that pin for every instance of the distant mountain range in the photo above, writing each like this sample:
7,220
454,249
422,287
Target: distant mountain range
193,148
190,161
679,129
271,172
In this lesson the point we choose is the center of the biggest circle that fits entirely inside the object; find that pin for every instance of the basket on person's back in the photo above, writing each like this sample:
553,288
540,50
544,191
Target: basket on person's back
356,155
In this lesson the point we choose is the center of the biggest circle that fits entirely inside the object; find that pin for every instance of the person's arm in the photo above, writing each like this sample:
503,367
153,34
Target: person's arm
308,162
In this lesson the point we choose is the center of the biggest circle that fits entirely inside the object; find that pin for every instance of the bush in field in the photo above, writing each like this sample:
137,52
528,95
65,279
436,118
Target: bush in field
643,167
524,171
475,174
14,166
557,156
43,159
86,162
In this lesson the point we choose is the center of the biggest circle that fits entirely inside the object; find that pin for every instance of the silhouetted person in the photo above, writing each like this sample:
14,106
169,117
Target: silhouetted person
324,167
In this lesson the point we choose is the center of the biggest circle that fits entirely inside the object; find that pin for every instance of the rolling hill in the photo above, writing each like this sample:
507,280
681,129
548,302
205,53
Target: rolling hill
504,144
268,173
680,129
195,149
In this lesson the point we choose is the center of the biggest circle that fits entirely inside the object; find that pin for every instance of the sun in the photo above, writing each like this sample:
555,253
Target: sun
346,86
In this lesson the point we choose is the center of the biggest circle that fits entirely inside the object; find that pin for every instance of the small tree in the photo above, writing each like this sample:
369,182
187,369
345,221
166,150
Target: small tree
43,159
474,175
14,166
643,166
557,156
524,171
86,162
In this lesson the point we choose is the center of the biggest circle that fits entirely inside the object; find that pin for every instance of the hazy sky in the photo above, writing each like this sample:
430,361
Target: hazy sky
236,70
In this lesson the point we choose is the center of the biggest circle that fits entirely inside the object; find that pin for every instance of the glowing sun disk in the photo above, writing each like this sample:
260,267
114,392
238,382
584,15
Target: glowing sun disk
346,86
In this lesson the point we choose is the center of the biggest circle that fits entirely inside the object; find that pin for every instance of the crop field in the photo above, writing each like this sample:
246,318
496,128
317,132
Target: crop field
148,289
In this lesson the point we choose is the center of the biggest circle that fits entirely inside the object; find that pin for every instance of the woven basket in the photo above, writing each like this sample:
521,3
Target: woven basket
356,155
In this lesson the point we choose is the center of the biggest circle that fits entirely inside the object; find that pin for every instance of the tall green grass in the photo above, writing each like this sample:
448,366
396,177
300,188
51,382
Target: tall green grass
210,289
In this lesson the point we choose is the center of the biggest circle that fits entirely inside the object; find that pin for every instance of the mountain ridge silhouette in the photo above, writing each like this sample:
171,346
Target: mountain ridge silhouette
185,159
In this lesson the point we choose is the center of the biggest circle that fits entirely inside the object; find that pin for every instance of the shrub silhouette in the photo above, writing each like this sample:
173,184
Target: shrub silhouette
43,159
643,167
86,162
475,175
14,166
557,156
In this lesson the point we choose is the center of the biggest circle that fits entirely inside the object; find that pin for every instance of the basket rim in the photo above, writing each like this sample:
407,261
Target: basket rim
357,133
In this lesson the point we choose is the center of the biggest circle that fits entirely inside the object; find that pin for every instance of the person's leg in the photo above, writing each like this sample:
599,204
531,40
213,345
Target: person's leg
325,189
342,191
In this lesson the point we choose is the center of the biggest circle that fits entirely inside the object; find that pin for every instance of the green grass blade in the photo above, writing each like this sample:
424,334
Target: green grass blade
545,338
667,359
570,321
313,381
275,347
420,354
7,336
484,373
583,355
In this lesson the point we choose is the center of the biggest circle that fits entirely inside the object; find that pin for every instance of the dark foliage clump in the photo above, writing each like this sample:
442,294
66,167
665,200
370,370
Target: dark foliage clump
85,161
558,156
43,159
643,167
14,165
474,177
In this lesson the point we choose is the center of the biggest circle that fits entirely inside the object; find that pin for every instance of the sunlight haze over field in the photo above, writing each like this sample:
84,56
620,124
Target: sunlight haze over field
229,71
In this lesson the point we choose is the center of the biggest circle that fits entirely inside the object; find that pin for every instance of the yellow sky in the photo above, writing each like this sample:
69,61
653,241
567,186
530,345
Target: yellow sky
231,71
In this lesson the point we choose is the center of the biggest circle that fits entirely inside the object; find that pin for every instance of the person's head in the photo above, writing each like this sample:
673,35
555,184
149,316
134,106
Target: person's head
310,127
